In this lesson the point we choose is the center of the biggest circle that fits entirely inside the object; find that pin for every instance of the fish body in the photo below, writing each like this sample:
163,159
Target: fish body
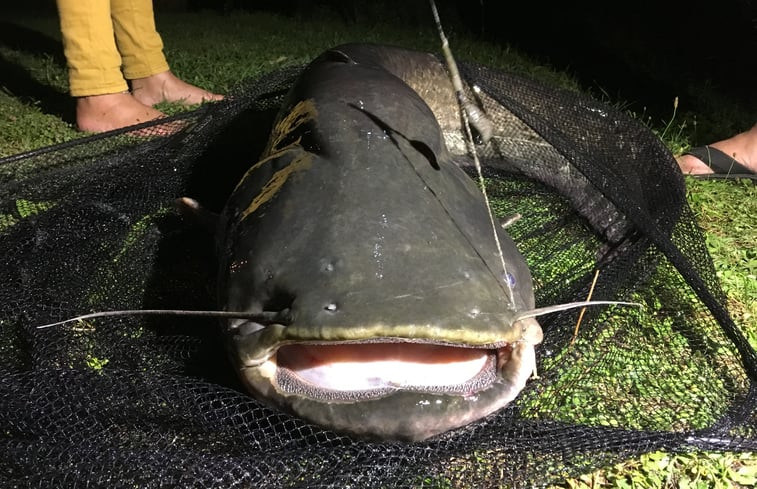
375,251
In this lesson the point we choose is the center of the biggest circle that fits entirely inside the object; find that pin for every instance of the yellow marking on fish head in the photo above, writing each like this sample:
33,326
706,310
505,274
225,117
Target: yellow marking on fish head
300,162
277,154
303,112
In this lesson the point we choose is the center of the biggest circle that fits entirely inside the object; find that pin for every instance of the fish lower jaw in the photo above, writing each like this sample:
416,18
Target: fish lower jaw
400,391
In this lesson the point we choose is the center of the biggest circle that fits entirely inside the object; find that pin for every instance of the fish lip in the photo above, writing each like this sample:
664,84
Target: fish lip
398,340
404,415
268,353
266,340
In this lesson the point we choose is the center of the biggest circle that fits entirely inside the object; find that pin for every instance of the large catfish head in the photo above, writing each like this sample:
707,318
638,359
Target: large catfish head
375,251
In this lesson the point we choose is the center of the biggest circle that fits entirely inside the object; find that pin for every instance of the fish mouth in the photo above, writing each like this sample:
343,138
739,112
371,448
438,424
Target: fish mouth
391,388
350,372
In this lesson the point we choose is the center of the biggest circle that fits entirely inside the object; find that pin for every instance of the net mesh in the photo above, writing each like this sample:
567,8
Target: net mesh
154,402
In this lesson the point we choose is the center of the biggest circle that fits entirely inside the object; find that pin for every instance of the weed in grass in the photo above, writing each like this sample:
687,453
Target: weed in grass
674,134
96,363
28,208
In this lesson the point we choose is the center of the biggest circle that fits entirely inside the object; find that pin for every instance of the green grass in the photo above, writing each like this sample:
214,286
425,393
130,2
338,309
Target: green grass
726,212
680,471
218,52
24,126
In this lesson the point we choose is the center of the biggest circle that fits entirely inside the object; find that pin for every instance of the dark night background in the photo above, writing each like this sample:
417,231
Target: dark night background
650,51
642,52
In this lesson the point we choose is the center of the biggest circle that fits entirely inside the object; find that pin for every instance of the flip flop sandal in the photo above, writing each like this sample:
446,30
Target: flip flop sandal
722,165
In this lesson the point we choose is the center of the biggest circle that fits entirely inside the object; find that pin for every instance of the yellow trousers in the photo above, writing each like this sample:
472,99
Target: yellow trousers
106,41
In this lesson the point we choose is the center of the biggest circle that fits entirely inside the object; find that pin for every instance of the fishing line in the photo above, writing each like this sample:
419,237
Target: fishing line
484,127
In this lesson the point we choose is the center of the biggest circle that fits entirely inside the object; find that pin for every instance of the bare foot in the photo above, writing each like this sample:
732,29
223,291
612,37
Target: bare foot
100,113
742,147
166,87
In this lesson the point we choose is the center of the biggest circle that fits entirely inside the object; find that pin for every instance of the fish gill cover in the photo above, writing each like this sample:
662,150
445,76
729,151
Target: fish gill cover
154,402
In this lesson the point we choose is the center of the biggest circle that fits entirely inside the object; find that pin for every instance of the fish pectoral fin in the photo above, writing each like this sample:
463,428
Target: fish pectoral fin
426,151
420,146
195,213
338,56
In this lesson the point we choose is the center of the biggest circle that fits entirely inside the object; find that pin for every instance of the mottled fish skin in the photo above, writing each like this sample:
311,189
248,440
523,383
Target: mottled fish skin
360,229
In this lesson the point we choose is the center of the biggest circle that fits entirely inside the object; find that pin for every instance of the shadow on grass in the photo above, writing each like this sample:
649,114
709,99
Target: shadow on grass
19,81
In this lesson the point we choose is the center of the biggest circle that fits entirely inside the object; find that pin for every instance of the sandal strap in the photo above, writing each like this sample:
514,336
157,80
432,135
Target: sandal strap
721,163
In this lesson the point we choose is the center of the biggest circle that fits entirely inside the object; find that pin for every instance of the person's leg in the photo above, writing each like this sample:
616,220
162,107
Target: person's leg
94,68
143,61
741,147
94,64
137,39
